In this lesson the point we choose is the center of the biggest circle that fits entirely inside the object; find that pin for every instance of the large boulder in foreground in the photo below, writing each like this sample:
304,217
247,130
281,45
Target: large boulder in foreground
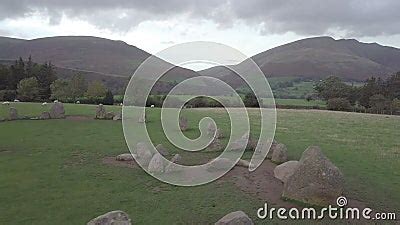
111,218
235,218
279,154
316,181
57,111
144,155
156,164
285,170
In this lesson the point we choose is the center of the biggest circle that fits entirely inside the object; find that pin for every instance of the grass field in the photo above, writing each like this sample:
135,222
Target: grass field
51,172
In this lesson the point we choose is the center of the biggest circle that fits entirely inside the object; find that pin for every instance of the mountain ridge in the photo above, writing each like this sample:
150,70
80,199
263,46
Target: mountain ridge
319,57
315,58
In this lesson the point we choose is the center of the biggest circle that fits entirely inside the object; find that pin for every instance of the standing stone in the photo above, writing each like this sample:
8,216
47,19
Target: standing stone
285,170
211,128
142,119
109,116
241,142
57,111
183,123
13,113
45,116
144,155
163,151
100,112
112,218
177,158
215,145
271,149
156,164
172,167
317,180
279,155
219,134
235,218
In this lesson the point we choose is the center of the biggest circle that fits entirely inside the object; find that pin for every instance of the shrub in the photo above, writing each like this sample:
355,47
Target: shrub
8,95
339,104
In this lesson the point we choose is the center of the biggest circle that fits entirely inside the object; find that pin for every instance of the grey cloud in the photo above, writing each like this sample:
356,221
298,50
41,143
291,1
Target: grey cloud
304,17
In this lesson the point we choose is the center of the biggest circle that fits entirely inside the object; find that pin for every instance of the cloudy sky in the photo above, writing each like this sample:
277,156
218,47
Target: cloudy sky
251,26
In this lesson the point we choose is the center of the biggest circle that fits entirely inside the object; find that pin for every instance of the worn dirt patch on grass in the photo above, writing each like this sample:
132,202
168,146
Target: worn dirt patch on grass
79,118
110,160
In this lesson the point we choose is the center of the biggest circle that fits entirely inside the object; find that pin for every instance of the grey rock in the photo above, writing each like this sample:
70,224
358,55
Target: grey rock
100,112
57,111
125,157
142,119
219,164
156,164
176,159
172,166
144,155
279,155
45,116
317,180
183,124
13,114
215,145
162,150
112,218
235,218
118,116
243,163
285,170
109,115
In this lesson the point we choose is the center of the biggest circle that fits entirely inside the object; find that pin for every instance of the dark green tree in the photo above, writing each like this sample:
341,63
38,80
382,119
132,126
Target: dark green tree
332,87
45,76
109,98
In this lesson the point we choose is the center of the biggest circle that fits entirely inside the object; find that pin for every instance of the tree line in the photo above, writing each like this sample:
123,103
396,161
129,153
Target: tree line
29,81
375,96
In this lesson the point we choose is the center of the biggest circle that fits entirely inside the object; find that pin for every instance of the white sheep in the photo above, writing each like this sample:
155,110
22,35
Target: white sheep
44,103
55,101
121,104
6,103
152,106
16,100
78,102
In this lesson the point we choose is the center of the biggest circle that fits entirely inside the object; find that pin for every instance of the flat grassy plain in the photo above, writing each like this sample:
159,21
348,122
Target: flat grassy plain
52,172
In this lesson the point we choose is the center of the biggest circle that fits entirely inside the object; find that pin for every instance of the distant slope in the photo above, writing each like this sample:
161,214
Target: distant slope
321,57
92,54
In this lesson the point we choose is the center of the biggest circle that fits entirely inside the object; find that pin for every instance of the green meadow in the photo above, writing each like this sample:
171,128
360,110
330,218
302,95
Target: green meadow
52,171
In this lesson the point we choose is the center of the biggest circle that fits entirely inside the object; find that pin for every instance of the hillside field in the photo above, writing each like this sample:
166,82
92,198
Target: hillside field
53,171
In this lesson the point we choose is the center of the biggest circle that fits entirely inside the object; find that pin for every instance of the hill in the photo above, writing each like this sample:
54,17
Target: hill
320,57
90,54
